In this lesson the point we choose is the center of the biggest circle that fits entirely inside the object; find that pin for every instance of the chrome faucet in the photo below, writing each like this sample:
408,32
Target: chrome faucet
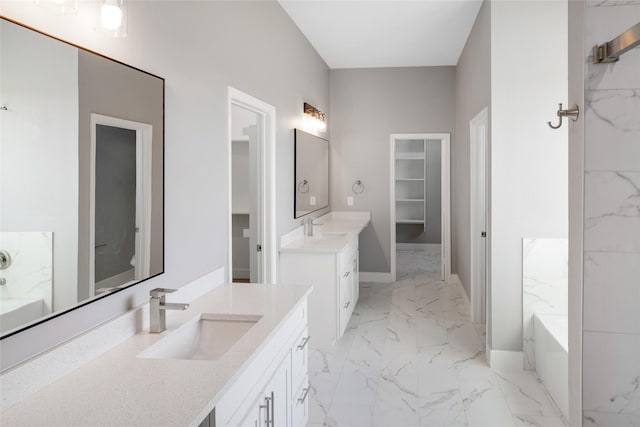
158,307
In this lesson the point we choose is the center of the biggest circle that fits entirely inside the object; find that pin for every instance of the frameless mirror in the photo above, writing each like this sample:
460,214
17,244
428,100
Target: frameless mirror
311,191
81,176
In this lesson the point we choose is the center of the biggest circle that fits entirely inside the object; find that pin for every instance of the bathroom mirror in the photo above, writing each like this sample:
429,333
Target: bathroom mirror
81,176
311,191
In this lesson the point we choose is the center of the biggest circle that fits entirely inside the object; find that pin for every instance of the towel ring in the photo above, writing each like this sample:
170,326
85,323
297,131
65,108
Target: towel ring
303,186
357,187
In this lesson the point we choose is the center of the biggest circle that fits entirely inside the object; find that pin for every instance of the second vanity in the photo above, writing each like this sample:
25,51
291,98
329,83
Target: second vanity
329,261
259,376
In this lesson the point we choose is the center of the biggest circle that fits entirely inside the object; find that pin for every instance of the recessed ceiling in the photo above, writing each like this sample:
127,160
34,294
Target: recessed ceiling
365,33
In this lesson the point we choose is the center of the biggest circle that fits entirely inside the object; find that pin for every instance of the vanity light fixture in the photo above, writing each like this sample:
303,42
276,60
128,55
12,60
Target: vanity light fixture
113,17
315,119
60,6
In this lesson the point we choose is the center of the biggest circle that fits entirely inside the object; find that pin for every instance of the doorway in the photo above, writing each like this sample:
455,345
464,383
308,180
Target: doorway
251,188
419,204
120,203
478,128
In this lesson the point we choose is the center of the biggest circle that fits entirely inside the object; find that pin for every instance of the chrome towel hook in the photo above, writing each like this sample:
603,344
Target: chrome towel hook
572,113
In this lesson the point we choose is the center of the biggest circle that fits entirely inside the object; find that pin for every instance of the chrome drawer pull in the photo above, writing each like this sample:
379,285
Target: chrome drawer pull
304,395
346,274
347,304
304,342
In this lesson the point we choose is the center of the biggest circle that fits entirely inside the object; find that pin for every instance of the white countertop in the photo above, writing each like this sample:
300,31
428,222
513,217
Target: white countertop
327,235
120,389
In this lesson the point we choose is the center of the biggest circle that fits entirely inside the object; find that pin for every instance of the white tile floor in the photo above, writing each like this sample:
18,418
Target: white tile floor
412,357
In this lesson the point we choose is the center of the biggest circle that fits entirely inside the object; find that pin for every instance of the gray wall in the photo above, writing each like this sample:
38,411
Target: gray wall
111,89
200,48
367,106
473,93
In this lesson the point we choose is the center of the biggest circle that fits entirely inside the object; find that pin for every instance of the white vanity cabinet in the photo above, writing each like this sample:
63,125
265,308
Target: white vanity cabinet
267,392
334,276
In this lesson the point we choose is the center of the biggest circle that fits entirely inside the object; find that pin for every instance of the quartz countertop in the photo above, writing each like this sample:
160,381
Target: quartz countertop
331,233
119,388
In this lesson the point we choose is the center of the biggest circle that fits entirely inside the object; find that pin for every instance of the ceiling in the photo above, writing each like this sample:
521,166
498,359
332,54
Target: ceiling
385,33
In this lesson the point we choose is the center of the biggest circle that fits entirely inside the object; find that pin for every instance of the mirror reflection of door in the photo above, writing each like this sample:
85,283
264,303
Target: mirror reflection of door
121,202
246,195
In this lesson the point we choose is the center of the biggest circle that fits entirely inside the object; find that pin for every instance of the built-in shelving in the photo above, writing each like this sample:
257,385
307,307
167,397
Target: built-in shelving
409,157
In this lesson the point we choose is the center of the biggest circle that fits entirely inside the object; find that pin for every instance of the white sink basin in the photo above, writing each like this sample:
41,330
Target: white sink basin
207,337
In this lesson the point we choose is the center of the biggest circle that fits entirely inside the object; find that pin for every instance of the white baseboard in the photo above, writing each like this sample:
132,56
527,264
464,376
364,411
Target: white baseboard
505,360
375,277
454,280
241,273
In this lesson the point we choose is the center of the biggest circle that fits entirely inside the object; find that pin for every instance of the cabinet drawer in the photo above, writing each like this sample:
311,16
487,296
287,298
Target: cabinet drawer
300,410
300,357
347,254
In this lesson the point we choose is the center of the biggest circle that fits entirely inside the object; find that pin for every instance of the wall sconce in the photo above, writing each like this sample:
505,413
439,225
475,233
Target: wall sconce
59,6
113,17
314,118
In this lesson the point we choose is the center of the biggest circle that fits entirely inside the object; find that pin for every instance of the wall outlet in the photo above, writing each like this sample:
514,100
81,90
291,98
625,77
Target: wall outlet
350,201
312,200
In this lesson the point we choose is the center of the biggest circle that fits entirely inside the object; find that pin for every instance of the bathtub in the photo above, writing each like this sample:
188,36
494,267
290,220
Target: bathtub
551,346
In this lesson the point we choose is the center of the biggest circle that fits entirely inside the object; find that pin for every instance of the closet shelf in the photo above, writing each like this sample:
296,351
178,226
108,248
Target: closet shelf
409,200
409,156
409,179
409,221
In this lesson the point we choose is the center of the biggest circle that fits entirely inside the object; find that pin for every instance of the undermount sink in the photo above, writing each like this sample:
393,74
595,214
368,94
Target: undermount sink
207,337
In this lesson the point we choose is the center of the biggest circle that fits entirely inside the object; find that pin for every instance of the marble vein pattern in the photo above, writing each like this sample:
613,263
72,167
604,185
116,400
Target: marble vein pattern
544,286
611,128
612,212
412,357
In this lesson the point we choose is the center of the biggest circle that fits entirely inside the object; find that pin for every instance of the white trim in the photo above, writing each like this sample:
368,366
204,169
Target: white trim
505,360
144,139
478,169
445,140
268,168
366,277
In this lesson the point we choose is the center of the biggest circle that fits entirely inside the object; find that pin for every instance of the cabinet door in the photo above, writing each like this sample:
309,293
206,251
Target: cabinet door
256,415
355,279
346,290
277,395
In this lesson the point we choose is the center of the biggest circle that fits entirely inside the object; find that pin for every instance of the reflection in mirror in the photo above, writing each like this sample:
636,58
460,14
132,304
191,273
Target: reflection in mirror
311,191
81,176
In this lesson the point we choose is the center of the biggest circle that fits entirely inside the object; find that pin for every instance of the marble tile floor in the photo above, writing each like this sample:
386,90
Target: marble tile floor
412,357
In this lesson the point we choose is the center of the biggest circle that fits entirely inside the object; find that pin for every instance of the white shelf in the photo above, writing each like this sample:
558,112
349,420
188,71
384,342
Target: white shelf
409,156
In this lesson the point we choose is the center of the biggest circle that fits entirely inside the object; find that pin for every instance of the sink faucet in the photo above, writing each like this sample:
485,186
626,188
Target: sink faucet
158,307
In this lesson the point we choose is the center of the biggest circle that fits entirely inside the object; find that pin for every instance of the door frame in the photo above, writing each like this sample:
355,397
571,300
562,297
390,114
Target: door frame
445,198
268,182
478,140
144,138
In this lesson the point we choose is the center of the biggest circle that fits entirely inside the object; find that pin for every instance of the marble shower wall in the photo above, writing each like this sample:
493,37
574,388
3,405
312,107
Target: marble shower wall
544,286
30,274
611,323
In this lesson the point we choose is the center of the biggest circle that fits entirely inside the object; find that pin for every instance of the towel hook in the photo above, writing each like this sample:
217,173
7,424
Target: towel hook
357,187
572,113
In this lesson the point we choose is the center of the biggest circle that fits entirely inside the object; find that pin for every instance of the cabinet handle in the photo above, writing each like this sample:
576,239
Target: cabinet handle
273,415
305,340
266,406
304,395
346,274
348,303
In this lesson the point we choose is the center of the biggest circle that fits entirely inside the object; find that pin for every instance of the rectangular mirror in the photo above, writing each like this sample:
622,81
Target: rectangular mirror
81,176
311,191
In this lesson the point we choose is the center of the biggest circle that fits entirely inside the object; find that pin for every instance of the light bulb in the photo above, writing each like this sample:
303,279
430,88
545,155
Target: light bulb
111,15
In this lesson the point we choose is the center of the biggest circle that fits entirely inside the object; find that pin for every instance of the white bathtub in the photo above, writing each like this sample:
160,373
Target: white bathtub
551,334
